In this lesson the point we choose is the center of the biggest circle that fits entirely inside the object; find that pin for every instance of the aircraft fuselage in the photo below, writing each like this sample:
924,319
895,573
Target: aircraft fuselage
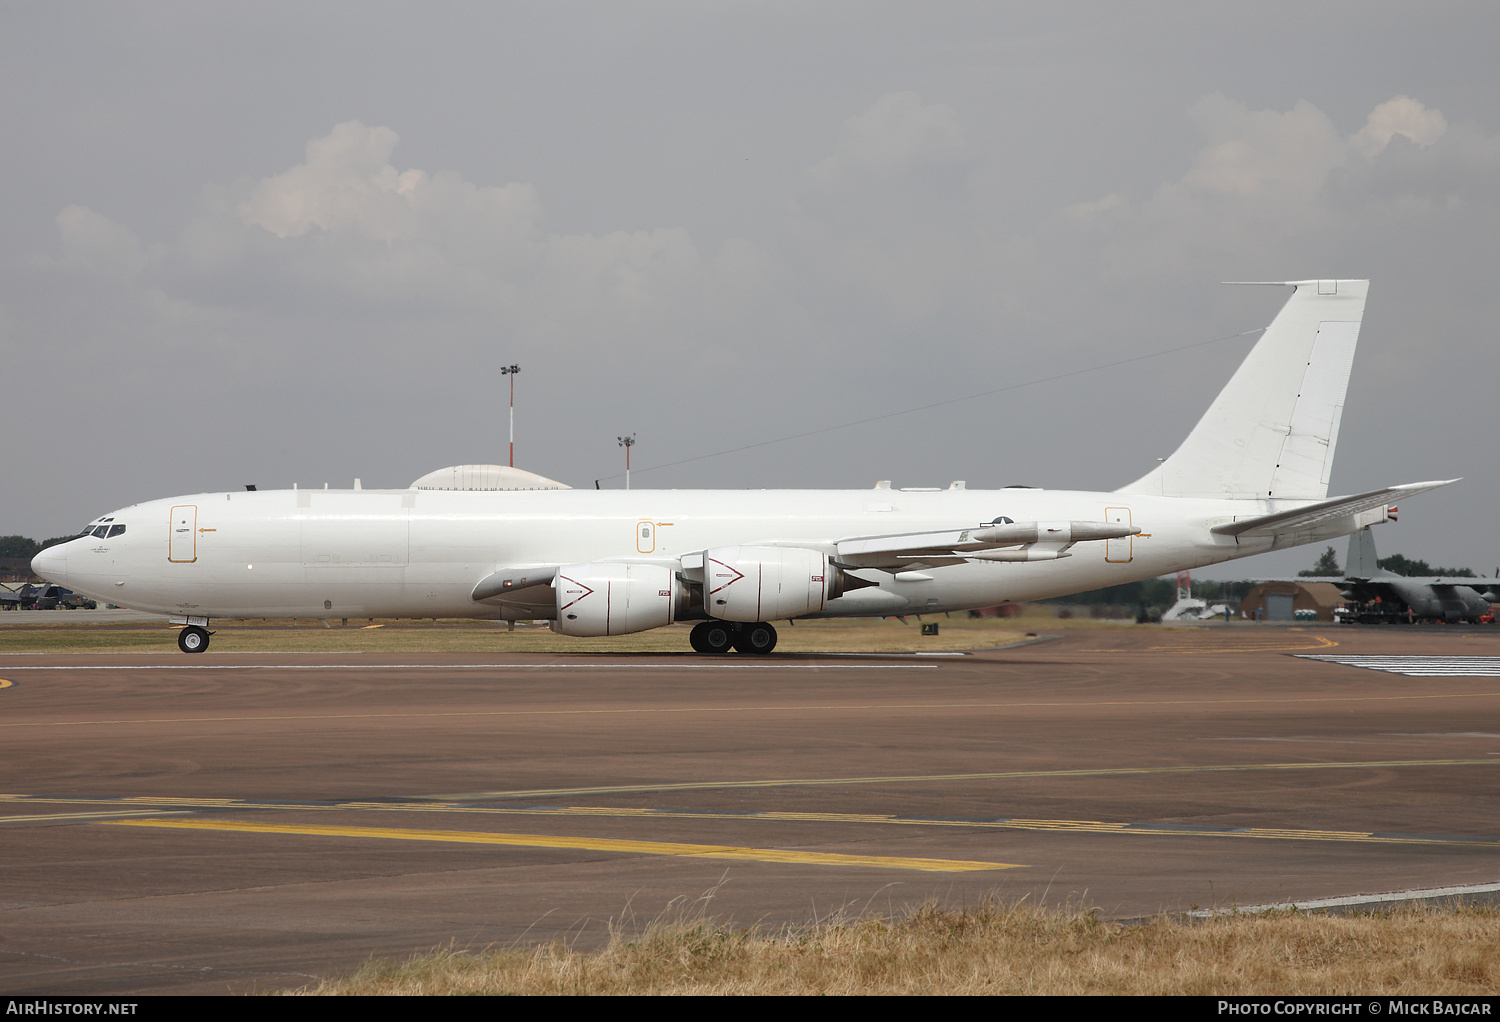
409,553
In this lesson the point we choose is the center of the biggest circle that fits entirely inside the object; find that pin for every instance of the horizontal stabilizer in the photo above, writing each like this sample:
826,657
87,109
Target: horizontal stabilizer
1324,510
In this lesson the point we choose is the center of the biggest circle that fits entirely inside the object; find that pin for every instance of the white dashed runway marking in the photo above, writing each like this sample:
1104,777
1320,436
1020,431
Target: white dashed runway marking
1418,666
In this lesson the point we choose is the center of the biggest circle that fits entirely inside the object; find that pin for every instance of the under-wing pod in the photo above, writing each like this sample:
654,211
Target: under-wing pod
1026,553
751,583
613,599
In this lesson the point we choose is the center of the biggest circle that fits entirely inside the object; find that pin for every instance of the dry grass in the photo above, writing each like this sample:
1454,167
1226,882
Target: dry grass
991,950
61,635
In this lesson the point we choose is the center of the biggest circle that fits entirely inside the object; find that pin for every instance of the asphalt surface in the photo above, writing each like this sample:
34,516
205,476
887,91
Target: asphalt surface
235,823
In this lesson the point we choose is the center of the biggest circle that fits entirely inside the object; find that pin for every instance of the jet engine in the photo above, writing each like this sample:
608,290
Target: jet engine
613,599
751,583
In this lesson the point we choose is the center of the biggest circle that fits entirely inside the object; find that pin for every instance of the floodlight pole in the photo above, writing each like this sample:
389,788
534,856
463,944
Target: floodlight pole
627,442
511,371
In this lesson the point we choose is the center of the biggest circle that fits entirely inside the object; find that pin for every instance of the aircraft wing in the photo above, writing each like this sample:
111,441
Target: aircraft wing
1488,588
1324,510
1014,541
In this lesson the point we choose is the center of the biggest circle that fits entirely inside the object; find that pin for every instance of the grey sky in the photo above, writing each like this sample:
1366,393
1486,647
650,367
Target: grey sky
280,243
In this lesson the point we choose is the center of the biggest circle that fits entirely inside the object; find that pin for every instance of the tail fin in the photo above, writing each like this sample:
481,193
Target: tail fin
1363,560
1272,430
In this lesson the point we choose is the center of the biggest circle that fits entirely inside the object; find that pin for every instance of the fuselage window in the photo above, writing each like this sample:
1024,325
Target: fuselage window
116,530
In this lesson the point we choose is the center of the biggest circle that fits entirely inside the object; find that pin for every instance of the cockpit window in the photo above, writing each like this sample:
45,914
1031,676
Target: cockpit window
116,530
100,531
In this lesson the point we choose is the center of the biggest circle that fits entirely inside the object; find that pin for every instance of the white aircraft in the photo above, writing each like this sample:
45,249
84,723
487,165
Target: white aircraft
499,543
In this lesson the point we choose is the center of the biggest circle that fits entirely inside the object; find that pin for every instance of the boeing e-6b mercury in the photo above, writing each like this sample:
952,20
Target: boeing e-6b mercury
497,543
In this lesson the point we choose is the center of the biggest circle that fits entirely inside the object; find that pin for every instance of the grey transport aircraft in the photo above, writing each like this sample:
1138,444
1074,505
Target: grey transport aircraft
1381,596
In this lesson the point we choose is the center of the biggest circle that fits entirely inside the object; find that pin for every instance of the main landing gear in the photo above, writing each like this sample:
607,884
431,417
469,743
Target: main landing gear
193,639
718,636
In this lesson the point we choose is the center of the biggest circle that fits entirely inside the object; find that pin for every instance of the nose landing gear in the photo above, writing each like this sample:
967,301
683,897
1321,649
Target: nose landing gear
719,636
193,639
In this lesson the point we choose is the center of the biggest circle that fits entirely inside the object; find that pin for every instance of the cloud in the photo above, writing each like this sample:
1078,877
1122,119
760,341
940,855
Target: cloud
1257,154
897,135
89,240
1400,116
1287,188
348,188
349,235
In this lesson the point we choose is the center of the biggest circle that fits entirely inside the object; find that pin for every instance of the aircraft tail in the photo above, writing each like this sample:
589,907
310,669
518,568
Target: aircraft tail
1272,430
1363,561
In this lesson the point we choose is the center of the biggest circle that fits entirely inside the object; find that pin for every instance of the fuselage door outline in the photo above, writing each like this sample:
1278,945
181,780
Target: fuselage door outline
1118,551
182,537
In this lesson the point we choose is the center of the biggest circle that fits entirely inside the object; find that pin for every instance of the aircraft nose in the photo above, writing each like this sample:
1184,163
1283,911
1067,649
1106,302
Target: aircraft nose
52,564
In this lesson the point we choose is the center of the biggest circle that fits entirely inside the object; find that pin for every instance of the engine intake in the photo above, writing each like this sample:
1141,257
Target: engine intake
614,599
751,583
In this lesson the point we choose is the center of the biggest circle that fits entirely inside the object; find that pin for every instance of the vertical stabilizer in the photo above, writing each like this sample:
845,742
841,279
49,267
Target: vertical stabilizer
1363,560
1272,430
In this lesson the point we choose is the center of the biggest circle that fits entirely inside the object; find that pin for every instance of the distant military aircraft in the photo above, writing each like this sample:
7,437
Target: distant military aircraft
1381,596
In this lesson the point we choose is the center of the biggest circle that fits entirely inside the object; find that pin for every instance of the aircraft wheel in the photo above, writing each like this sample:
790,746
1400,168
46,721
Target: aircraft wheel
757,638
192,639
696,637
712,637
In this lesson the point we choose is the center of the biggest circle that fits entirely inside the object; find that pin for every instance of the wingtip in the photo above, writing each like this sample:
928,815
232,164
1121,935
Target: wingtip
1430,484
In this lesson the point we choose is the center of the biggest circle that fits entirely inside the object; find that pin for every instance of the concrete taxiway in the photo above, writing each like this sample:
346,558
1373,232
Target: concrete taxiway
247,822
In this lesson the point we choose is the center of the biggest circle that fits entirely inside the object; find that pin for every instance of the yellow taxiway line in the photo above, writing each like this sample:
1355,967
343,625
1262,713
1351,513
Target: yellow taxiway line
1269,646
582,844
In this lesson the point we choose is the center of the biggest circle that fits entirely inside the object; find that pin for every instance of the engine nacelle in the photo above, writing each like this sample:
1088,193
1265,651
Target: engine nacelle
752,583
613,599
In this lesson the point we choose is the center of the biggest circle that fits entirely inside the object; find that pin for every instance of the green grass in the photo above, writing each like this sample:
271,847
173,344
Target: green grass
462,636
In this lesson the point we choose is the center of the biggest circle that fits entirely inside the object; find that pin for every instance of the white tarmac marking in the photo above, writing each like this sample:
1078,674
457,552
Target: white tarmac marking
1439,734
474,667
1358,899
899,652
356,652
1295,738
1417,666
100,815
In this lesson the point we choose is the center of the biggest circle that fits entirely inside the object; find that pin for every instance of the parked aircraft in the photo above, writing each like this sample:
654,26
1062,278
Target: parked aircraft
1381,596
498,543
